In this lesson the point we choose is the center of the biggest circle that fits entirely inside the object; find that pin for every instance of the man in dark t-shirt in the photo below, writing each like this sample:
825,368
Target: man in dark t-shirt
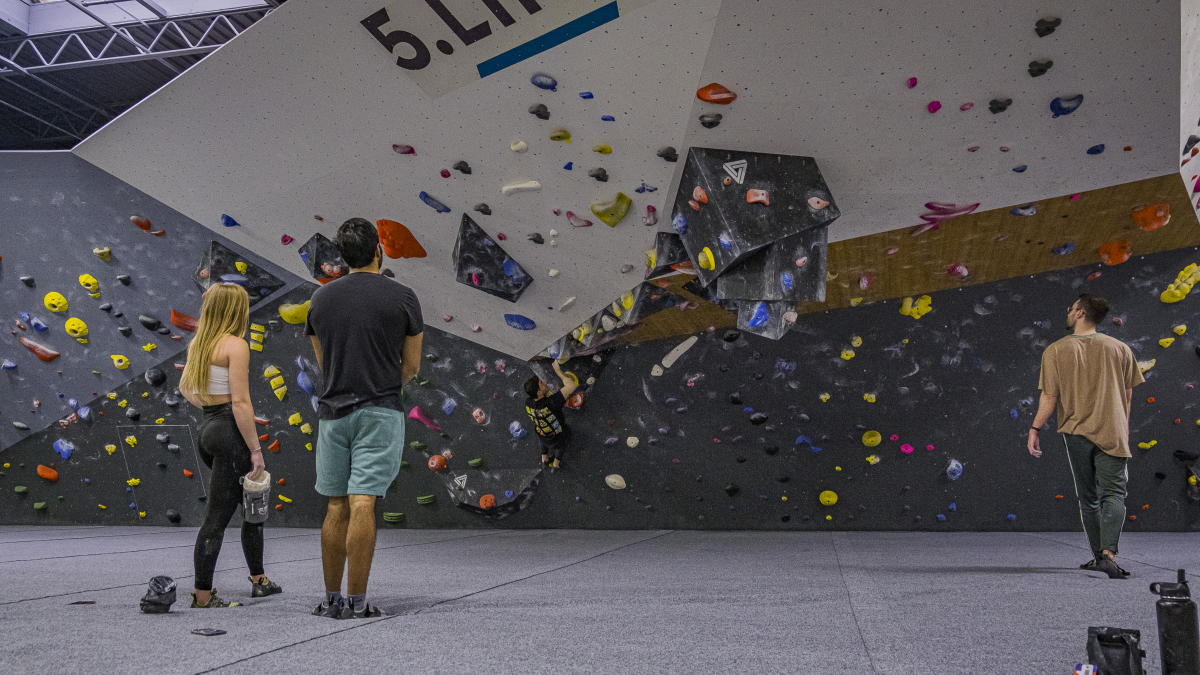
366,330
546,412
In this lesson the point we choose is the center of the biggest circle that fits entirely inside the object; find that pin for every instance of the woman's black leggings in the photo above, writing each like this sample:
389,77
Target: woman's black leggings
224,451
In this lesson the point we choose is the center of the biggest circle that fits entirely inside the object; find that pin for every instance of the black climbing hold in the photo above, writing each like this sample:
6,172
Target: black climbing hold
149,322
20,426
540,111
735,398
27,280
803,417
1197,350
599,174
758,376
731,335
741,460
1191,143
125,330
731,489
106,307
771,449
785,518
173,516
275,325
483,208
723,368
155,377
125,279
536,238
669,153
999,105
170,401
862,507
163,330
118,315
783,479
1185,456
1160,475
710,120
906,488
758,418
387,272
132,413
917,519
1046,26
162,465
1039,68
461,166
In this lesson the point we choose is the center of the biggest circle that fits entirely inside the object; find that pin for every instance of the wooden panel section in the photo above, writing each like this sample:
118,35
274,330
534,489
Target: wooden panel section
992,246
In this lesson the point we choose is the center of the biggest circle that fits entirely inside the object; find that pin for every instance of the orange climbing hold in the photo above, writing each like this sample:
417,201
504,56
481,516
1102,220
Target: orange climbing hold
274,446
437,463
280,481
46,472
758,197
183,321
1152,217
41,351
487,501
1150,399
716,93
264,437
398,241
279,507
188,473
1058,496
141,221
1115,253
700,195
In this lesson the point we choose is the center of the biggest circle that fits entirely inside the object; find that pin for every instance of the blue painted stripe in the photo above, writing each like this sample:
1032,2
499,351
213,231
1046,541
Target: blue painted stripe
549,40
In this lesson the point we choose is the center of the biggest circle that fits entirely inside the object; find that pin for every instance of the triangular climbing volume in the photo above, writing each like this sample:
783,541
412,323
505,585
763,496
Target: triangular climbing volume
479,262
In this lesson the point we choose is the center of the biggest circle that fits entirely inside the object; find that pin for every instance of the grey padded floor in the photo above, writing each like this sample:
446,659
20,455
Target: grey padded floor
554,601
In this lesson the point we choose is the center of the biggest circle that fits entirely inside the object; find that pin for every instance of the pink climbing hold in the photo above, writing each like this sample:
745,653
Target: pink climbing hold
475,328
966,106
501,236
1004,148
651,217
286,239
934,106
1075,197
418,415
893,250
445,173
939,211
911,82
400,149
864,282
929,447
957,270
907,449
475,278
576,221
447,318
973,148
894,437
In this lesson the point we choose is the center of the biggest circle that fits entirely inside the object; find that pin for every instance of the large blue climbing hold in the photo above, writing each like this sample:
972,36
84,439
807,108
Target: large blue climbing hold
680,224
544,81
84,413
1065,106
517,429
38,325
513,270
304,382
1096,149
433,203
228,221
607,118
759,318
519,321
8,364
64,448
787,281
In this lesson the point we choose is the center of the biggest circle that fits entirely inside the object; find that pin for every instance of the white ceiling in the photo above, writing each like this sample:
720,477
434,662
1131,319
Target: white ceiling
297,116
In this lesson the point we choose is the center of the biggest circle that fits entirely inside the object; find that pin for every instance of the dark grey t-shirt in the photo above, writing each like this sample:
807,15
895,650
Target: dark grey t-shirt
362,320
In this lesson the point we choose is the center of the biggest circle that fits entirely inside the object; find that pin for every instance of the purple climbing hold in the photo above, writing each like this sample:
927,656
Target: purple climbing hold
64,448
1011,516
519,321
508,494
680,224
1020,168
1096,149
941,517
586,94
1064,249
8,364
433,203
38,325
228,221
1065,106
401,149
1027,210
544,81
607,118
84,413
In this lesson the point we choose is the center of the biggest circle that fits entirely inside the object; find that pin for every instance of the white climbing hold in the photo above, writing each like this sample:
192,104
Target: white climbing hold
591,381
521,186
615,481
552,273
632,441
562,307
518,146
553,232
657,370
673,355
554,242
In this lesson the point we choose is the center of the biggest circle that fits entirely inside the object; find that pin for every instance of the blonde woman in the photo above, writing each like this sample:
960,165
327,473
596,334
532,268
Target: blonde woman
216,379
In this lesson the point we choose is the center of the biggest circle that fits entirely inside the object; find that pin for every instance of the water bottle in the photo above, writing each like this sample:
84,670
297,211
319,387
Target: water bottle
1178,634
954,469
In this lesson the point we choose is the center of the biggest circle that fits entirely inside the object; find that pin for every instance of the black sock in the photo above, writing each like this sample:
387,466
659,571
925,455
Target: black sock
357,602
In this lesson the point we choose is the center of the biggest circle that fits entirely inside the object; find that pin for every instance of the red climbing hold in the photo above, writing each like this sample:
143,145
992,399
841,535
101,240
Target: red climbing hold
41,351
716,93
1152,217
436,463
699,195
183,321
1115,253
398,241
141,221
274,446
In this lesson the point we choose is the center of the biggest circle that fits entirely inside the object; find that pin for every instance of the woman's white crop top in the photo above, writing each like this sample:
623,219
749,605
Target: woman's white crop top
218,380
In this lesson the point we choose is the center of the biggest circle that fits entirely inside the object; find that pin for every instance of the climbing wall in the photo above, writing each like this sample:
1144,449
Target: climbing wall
62,218
1189,97
526,151
912,420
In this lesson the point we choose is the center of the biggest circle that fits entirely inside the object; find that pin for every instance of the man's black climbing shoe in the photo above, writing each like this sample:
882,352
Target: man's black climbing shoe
330,610
1110,568
367,612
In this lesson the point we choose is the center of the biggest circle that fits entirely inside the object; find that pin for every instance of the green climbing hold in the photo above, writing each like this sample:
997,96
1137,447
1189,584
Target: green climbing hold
417,445
426,499
393,516
21,489
403,464
475,463
39,506
613,211
424,382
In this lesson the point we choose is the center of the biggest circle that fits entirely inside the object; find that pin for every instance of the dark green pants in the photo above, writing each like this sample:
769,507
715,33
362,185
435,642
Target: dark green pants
1100,481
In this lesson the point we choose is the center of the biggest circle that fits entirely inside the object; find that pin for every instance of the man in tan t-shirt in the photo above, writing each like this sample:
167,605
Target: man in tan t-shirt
1088,378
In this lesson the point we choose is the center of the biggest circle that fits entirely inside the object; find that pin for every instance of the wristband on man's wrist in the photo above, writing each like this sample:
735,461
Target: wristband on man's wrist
1032,428
258,450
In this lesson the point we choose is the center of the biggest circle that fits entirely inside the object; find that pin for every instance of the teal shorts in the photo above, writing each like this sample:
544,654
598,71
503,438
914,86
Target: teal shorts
359,454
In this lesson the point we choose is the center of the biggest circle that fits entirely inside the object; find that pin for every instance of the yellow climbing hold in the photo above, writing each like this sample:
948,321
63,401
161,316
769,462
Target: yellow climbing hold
133,482
122,403
256,346
110,448
141,514
160,420
120,361
856,341
614,210
783,498
1182,285
101,507
295,419
828,517
602,148
1146,445
873,459
295,314
241,266
1145,366
77,329
145,394
1166,342
55,302
149,347
869,397
855,302
828,497
280,392
277,382
847,354
705,259
1192,480
285,500
825,396
306,428
916,308
112,395
131,440
837,468
308,447
871,438
256,337
258,328
1180,329
560,135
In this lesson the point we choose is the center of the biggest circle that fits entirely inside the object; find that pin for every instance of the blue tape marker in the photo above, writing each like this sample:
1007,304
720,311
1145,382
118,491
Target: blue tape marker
549,40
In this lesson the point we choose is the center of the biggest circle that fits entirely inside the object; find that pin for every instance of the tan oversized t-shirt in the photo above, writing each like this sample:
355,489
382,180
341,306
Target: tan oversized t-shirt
1089,374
